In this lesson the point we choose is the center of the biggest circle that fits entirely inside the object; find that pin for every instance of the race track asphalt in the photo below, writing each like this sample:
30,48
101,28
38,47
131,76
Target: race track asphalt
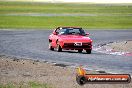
34,44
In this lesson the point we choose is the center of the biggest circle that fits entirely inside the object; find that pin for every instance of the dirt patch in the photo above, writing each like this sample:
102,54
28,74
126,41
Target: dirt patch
125,46
14,70
116,48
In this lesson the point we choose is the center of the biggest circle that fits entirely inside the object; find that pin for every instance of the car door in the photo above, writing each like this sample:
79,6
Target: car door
55,37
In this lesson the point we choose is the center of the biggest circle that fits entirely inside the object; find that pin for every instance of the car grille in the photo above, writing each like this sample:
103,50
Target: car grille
71,45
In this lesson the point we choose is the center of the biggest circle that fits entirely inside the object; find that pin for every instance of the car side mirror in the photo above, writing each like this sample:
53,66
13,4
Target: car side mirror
87,34
55,33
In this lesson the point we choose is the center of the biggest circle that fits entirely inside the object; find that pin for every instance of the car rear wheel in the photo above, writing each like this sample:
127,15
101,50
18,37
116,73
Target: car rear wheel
59,49
80,51
50,46
88,51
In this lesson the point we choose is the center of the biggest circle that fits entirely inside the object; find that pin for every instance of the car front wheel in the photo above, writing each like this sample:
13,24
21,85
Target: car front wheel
50,46
59,49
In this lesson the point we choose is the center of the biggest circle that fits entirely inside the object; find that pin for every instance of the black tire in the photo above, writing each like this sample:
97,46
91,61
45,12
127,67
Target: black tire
59,49
80,51
50,46
81,80
88,51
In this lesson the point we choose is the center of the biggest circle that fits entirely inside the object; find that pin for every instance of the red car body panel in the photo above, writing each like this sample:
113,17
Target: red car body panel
69,41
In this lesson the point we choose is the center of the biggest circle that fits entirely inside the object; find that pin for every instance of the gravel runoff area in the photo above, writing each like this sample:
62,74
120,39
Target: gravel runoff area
16,71
124,46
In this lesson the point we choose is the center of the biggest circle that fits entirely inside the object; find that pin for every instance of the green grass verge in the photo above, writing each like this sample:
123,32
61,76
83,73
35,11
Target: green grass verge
42,22
24,85
103,22
21,7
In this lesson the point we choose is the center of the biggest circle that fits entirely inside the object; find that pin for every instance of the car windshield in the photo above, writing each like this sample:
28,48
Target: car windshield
71,31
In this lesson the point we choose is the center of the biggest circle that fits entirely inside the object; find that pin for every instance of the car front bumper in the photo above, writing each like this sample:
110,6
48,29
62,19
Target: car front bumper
76,47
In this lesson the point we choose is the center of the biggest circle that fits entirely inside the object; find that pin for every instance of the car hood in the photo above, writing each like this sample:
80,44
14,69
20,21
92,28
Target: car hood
74,38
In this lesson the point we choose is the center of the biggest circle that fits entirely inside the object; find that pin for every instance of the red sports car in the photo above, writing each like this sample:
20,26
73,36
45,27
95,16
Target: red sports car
70,38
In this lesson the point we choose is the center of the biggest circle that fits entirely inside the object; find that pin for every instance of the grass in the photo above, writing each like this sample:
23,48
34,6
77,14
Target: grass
38,85
119,15
17,7
114,22
28,85
7,86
